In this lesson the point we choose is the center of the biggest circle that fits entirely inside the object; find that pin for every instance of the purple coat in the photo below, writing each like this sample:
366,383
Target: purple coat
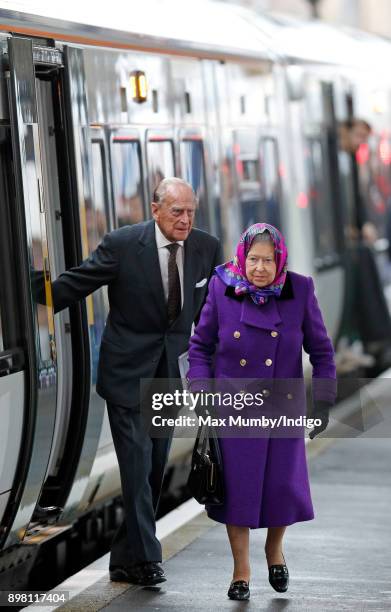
266,479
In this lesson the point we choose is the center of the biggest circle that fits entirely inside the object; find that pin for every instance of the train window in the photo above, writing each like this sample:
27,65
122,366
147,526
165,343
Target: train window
271,182
100,194
249,169
127,181
248,176
257,170
10,331
192,156
373,164
320,200
160,161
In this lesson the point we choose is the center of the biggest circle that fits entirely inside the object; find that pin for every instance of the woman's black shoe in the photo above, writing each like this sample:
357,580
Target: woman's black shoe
239,590
279,577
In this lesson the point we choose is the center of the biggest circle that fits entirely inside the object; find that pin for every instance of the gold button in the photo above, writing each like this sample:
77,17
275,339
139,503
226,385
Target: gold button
289,396
265,392
237,334
243,362
268,362
274,334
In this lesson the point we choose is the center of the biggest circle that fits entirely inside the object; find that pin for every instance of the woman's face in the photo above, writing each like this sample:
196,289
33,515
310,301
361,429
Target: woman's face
260,264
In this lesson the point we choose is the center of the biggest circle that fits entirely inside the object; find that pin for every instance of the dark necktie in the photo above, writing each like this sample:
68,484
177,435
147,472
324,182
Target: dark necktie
174,285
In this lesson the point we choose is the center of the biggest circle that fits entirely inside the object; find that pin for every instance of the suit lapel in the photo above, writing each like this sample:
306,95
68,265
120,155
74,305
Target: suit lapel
149,261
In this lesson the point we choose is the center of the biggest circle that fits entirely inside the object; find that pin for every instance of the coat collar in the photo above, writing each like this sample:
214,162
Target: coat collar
266,316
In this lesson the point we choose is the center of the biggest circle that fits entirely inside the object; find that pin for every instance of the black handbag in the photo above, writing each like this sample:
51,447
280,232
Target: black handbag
206,475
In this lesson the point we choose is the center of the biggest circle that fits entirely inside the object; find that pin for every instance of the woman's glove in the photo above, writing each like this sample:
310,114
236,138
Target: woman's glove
321,410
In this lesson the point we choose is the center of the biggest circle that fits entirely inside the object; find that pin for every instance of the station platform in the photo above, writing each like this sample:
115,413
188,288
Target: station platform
341,560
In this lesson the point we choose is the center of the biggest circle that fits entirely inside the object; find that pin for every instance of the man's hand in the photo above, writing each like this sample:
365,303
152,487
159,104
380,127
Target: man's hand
321,410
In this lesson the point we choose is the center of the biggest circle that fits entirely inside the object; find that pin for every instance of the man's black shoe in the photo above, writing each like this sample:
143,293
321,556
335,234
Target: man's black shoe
143,574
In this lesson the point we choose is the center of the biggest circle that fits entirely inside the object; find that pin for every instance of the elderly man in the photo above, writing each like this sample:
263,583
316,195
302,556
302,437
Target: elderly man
157,274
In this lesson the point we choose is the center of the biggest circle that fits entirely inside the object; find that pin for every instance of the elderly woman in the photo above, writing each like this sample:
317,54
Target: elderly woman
254,324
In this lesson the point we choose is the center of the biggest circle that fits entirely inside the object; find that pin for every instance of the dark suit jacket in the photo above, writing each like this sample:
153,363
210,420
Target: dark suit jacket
137,332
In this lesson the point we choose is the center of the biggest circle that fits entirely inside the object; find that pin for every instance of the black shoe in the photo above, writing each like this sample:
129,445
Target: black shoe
239,590
279,577
143,574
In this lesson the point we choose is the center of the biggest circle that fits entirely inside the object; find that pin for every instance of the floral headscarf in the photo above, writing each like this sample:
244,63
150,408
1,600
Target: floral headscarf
233,273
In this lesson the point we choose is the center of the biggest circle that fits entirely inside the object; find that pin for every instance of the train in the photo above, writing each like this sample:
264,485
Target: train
268,117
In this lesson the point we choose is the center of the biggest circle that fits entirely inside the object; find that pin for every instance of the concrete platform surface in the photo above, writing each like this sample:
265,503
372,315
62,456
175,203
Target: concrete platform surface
341,560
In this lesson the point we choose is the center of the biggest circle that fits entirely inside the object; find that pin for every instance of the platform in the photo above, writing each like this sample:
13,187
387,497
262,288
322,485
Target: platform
341,560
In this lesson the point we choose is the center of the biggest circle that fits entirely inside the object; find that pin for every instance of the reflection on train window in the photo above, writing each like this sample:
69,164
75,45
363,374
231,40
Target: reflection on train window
97,216
127,181
320,200
160,161
271,182
192,156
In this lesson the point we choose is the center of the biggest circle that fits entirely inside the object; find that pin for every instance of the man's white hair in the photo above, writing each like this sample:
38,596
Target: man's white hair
164,186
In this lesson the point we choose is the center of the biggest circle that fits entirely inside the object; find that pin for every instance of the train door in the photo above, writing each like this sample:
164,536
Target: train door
324,202
51,195
70,232
93,221
33,259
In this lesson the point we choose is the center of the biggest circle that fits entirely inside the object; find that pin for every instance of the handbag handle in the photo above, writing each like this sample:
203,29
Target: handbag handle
207,433
214,445
202,436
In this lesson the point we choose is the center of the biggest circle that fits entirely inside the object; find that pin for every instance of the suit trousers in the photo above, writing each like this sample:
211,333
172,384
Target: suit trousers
142,461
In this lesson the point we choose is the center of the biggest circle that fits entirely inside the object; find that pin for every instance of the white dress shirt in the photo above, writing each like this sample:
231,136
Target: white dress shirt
164,254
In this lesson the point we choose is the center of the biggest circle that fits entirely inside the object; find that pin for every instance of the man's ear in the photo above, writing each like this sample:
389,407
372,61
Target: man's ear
154,209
